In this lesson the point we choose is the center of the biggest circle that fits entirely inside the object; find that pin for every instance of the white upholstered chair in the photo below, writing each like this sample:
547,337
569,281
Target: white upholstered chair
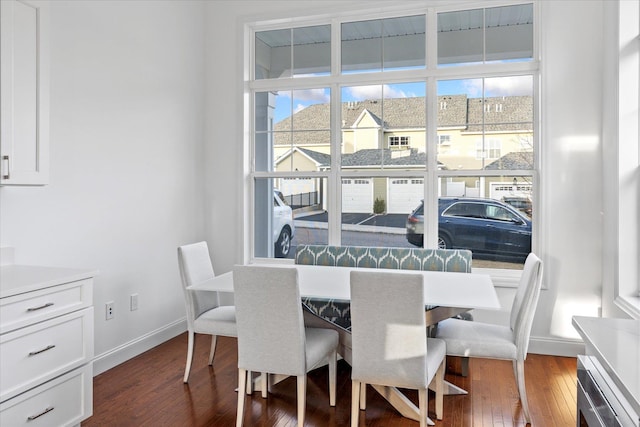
205,315
477,339
389,339
272,338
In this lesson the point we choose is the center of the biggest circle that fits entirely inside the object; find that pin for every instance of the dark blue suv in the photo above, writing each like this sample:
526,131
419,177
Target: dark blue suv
489,228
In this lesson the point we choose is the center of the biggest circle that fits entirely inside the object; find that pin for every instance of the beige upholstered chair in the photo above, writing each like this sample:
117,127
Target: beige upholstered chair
272,338
205,315
389,339
477,339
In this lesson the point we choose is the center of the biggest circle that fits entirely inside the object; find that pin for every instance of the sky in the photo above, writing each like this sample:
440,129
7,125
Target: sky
288,102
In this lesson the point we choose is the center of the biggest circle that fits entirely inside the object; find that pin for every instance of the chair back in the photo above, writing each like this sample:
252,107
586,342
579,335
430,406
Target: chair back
271,335
195,267
389,338
525,303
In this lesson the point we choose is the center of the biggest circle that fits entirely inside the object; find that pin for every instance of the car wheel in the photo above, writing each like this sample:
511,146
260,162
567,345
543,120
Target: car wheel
283,245
443,242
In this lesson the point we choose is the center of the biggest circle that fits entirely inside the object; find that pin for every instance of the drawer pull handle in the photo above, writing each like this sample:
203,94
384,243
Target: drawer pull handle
49,304
46,411
49,347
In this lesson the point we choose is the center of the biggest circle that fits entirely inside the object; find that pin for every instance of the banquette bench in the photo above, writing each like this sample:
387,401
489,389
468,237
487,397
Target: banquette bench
338,312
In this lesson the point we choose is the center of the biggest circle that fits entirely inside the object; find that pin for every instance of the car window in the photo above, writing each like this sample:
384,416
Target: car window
279,195
467,210
499,213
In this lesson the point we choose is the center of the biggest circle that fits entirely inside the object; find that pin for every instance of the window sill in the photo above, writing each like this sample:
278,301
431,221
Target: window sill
630,305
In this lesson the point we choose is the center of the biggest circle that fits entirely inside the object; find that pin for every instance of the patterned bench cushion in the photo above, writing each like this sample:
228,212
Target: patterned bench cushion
337,311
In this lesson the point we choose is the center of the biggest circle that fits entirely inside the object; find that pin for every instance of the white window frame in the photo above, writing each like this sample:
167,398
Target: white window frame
402,141
626,292
430,75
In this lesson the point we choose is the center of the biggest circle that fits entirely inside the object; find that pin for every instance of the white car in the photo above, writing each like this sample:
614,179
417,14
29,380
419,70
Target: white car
283,227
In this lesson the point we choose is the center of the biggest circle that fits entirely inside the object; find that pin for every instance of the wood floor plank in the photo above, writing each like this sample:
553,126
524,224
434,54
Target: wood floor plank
148,391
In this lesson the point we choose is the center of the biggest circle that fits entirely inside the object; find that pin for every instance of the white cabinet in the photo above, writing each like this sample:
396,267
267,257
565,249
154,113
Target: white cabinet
46,345
24,92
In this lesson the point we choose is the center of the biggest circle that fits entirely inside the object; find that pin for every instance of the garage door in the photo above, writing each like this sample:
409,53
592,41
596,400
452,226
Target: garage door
357,195
405,194
290,186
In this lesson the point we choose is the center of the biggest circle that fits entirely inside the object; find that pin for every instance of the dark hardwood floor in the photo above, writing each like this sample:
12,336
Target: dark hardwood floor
148,391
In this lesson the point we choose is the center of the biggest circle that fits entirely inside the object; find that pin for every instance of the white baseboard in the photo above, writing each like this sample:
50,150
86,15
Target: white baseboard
556,347
109,359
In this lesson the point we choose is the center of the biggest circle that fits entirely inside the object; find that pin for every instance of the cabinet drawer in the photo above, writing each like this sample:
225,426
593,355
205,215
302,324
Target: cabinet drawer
25,309
43,351
64,401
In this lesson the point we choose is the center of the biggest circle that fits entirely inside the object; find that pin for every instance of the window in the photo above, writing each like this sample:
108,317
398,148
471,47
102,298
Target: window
444,139
392,129
625,206
398,141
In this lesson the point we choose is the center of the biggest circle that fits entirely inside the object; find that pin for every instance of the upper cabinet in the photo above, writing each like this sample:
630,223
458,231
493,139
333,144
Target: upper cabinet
24,92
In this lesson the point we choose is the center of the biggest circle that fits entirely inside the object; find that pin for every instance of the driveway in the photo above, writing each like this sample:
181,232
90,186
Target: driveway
377,220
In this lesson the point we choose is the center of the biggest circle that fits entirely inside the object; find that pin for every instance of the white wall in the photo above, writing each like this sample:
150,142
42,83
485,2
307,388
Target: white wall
127,110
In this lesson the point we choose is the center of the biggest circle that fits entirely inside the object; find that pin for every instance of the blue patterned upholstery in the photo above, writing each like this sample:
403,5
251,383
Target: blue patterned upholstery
338,311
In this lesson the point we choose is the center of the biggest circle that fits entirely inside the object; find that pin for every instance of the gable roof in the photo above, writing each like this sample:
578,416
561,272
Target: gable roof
508,113
515,160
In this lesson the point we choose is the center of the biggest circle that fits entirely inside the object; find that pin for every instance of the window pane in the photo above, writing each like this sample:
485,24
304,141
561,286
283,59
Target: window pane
485,35
509,33
279,217
491,216
486,123
309,48
383,126
312,51
384,44
375,210
460,36
403,43
292,130
273,54
362,46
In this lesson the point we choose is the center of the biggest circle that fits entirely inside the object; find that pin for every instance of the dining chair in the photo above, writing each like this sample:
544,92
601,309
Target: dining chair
477,339
390,346
272,338
205,315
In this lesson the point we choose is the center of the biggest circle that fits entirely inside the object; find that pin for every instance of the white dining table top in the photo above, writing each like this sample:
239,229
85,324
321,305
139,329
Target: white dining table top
447,289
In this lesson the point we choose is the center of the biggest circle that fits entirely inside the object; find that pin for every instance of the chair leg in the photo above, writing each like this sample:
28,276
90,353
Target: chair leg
190,344
264,384
522,390
423,403
363,396
440,390
355,404
249,382
242,379
464,366
333,369
214,340
302,398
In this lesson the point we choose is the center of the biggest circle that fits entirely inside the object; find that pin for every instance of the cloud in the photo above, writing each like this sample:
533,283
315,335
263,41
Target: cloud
360,93
499,86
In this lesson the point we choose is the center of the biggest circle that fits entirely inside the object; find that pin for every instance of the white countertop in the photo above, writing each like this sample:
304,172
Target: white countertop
18,279
616,345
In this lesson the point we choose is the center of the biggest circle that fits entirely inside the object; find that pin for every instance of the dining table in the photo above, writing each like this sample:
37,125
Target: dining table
449,292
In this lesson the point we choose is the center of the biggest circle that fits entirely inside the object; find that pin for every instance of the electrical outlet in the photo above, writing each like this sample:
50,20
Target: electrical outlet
108,307
134,302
